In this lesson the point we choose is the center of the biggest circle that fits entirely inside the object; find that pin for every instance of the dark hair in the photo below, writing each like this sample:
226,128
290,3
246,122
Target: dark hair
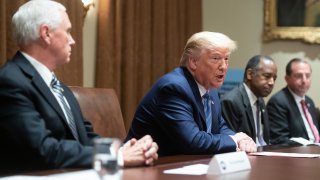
253,64
289,65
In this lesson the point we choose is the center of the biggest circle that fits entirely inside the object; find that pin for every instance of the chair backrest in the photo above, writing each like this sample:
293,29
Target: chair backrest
101,107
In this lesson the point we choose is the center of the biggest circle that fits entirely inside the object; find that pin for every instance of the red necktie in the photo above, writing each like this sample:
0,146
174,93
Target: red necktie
309,119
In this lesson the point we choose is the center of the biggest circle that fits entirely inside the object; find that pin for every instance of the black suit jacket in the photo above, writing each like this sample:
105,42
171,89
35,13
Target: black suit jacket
172,113
285,118
34,133
237,112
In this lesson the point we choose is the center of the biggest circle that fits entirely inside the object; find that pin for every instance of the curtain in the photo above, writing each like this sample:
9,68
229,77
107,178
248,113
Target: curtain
71,73
139,41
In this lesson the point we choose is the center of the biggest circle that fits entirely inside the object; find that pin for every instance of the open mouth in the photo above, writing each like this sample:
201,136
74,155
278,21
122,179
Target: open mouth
220,76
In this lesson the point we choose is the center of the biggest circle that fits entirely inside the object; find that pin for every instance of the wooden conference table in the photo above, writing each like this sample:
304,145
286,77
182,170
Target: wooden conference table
262,167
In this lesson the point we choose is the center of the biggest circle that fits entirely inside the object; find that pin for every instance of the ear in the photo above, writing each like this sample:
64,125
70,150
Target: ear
286,77
250,74
45,33
192,63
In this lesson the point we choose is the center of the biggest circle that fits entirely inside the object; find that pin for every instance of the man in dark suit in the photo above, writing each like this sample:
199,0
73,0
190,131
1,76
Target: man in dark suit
243,107
287,116
182,110
40,128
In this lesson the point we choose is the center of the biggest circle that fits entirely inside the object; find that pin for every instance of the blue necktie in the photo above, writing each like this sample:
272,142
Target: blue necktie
57,89
207,111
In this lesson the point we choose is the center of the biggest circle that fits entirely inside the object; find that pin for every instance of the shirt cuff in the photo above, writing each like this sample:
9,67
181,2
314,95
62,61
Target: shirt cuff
120,158
235,141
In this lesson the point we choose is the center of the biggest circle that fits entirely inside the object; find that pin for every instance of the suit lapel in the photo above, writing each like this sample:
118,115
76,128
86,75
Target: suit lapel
196,94
296,111
38,83
248,109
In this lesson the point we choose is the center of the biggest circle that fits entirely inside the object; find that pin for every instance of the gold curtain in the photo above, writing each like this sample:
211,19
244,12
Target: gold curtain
139,41
71,73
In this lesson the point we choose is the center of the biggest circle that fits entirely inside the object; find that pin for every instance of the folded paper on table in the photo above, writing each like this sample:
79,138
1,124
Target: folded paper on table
229,163
303,141
195,169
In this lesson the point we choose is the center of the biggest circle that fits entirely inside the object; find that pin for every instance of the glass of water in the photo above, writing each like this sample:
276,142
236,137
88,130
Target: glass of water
105,158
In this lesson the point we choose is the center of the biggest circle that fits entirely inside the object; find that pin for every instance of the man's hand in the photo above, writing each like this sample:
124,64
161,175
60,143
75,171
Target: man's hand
245,143
140,152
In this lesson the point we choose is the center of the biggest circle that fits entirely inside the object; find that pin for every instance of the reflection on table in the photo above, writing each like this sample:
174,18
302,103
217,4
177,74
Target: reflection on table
262,167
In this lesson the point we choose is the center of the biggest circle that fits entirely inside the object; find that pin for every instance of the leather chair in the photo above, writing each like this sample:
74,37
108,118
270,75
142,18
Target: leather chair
101,107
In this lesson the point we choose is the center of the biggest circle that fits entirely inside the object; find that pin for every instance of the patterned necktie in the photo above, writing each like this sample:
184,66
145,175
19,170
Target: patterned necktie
57,89
207,111
309,119
259,131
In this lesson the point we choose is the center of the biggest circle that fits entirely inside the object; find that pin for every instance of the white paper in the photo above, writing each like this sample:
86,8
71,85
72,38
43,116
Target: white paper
18,177
303,141
77,175
299,155
196,169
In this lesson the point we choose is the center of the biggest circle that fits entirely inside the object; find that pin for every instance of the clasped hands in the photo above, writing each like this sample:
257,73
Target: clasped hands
245,143
140,152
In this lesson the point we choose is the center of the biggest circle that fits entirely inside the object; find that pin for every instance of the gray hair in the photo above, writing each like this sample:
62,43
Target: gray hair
205,40
30,16
254,63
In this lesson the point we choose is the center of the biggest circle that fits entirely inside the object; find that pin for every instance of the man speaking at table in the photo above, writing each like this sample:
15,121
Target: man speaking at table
182,110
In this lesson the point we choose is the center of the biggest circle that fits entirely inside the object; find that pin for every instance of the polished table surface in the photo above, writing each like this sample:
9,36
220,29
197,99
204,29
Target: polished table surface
262,167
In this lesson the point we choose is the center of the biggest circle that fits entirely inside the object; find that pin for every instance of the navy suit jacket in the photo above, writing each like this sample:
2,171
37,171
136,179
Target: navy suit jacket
285,118
237,112
172,113
34,133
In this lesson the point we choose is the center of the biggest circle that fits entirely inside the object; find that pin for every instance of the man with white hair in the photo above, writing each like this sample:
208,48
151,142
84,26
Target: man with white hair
41,124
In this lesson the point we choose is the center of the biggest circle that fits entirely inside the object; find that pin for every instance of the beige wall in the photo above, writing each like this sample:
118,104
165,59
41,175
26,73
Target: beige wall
243,22
89,45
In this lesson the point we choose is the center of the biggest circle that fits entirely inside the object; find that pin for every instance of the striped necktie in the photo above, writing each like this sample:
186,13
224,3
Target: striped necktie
207,111
57,89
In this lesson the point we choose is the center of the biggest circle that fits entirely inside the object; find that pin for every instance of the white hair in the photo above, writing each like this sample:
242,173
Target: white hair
206,40
30,16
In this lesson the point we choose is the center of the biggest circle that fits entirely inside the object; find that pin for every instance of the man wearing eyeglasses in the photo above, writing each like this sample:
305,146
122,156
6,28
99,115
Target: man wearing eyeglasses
182,110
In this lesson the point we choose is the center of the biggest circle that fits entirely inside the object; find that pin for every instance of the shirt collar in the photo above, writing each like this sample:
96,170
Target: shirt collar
296,97
202,90
44,72
252,98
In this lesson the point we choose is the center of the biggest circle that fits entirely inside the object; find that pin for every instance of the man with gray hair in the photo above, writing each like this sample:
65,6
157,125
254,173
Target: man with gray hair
243,107
41,124
182,110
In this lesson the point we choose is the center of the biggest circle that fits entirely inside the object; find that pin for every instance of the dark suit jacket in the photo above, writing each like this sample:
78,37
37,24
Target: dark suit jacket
172,113
34,133
285,118
237,112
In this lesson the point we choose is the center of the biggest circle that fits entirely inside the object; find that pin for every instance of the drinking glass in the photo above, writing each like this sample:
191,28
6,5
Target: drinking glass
105,158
